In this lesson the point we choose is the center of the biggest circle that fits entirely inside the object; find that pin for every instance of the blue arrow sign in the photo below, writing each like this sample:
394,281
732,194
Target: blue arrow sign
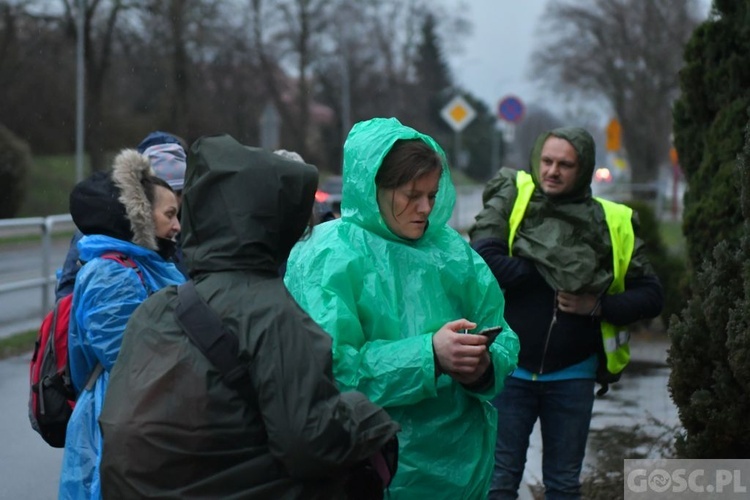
510,109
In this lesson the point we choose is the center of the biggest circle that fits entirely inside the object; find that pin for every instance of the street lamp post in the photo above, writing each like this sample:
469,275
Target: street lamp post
80,75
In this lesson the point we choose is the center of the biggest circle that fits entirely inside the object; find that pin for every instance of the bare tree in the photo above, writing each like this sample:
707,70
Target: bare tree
288,33
627,52
101,19
175,33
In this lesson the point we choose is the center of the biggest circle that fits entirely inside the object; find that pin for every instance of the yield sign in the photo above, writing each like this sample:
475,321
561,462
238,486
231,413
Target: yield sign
458,113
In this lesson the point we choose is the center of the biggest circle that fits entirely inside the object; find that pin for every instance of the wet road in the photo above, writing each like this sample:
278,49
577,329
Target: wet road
30,469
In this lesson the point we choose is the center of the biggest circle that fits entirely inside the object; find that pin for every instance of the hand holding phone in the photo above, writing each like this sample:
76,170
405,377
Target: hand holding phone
491,333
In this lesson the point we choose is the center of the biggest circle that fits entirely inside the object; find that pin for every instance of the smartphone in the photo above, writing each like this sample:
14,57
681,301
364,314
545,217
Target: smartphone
491,333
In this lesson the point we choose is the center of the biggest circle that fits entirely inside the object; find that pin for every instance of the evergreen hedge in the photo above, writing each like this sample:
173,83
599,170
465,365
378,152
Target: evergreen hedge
710,352
15,163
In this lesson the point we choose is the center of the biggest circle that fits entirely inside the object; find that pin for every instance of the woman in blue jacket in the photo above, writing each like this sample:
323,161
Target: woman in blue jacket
129,221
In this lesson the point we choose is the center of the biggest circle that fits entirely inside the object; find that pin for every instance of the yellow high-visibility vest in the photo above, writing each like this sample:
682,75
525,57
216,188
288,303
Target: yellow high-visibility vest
618,218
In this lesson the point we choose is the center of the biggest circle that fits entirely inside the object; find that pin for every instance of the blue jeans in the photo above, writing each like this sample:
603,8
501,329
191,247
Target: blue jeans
564,410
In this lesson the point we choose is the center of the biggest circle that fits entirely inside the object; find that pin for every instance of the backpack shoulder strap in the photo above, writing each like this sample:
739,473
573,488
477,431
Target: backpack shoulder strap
126,261
203,326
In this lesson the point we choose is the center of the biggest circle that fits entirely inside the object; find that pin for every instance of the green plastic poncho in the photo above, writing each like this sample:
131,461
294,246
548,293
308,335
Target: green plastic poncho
382,298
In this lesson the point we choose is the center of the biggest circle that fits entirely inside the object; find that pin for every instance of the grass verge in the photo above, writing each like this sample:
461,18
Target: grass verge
18,344
671,235
49,184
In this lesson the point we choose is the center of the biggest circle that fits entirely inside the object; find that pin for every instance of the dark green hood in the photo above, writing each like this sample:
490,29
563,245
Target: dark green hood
584,145
565,236
242,207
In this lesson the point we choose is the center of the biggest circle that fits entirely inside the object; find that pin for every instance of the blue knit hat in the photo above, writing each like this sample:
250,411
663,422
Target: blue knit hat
168,158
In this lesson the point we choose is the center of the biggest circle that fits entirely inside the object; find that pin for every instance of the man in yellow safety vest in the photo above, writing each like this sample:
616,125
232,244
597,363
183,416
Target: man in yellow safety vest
574,273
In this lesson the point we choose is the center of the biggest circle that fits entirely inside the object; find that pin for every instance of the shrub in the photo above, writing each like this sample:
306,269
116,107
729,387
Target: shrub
15,162
710,353
668,267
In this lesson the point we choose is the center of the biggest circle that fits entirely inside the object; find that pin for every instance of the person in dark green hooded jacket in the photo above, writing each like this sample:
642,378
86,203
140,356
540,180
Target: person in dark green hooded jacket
573,272
171,427
393,284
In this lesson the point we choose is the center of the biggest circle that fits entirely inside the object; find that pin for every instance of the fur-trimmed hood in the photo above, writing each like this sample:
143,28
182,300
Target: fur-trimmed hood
128,169
115,203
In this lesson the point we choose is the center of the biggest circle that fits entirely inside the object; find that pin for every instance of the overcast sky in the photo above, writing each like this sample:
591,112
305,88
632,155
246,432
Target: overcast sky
495,60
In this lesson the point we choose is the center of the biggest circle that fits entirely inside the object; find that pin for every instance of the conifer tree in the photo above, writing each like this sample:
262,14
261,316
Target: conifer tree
710,353
709,119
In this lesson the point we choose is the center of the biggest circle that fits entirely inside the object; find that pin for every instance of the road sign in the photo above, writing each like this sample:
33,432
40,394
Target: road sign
614,135
458,113
510,109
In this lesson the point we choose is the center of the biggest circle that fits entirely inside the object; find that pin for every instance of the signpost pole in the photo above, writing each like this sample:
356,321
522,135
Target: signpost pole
456,164
495,150
510,111
80,94
458,114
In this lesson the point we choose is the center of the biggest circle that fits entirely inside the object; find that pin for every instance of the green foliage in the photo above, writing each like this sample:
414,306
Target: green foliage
17,344
15,162
708,121
51,179
477,140
432,68
670,268
713,402
710,355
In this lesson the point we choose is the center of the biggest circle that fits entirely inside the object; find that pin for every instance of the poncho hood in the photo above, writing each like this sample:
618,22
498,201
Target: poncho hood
254,206
364,150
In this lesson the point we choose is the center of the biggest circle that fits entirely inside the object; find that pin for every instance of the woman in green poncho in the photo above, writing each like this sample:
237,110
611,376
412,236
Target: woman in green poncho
394,285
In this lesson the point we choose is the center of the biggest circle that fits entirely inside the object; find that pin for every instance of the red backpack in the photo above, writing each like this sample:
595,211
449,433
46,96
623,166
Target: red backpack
52,396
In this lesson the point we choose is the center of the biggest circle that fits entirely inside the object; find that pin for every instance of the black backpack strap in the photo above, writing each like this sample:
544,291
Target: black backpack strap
98,369
203,326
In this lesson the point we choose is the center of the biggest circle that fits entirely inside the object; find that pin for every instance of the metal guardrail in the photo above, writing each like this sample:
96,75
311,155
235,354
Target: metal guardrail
45,227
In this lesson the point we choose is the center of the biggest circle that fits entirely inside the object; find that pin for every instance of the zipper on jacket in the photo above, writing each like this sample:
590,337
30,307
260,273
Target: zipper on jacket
549,332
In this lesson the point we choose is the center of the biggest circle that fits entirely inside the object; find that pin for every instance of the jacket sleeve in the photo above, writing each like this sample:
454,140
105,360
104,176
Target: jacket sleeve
70,268
391,367
489,310
109,297
643,297
313,429
510,272
391,372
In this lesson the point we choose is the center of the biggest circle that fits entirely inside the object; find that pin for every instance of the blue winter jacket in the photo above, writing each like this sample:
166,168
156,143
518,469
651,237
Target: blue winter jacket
106,294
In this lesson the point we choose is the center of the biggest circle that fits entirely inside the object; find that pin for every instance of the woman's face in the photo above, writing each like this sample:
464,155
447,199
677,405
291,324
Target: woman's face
406,208
165,212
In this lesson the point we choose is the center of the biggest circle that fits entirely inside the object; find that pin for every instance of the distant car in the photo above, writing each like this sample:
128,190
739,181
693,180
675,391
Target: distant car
328,196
